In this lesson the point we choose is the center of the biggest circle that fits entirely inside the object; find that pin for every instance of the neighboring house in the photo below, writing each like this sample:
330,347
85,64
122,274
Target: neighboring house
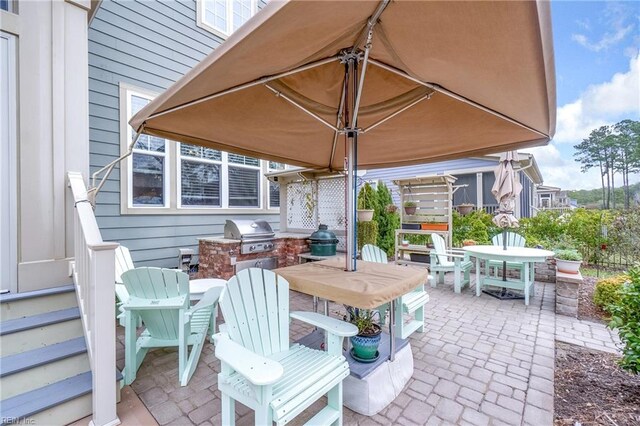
550,197
167,194
477,174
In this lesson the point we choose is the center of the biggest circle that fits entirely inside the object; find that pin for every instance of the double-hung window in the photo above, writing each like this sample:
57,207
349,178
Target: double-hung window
225,16
200,176
244,181
274,188
148,163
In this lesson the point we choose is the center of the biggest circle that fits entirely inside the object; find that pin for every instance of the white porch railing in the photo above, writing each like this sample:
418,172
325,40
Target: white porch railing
93,274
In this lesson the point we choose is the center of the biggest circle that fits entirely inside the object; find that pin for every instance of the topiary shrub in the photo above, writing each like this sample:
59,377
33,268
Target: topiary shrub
367,233
386,214
626,318
607,291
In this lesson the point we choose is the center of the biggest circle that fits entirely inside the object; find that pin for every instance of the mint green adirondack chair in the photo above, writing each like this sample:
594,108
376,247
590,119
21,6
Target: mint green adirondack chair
411,303
261,369
124,263
160,297
444,260
513,240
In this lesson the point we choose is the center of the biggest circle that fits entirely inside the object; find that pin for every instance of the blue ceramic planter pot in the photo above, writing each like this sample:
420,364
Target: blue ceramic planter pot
366,347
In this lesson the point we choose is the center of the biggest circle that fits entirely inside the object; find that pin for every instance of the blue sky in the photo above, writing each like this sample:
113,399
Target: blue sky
598,81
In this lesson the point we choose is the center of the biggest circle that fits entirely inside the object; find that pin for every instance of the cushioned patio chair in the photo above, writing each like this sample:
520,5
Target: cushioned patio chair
444,260
513,240
160,297
261,369
411,303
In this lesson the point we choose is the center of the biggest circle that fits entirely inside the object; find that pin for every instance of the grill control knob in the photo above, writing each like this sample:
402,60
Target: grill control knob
252,248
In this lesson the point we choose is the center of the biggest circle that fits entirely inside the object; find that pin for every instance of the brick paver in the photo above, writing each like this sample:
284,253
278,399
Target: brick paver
480,361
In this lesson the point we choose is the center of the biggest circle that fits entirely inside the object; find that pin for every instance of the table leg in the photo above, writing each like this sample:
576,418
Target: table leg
326,308
315,304
392,330
527,283
478,285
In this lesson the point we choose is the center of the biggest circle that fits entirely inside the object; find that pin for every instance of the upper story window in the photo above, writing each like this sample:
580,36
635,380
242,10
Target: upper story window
148,182
225,16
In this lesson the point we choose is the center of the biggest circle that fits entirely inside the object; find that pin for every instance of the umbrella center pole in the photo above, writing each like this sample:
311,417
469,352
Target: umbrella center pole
351,159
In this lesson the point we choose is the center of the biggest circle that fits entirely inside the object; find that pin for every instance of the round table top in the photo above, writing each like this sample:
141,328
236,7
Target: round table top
204,284
511,253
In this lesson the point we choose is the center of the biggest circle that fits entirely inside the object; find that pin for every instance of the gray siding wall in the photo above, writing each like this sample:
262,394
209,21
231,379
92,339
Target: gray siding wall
148,44
388,175
526,196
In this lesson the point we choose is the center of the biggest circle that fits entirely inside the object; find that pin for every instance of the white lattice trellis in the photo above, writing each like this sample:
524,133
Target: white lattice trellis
302,201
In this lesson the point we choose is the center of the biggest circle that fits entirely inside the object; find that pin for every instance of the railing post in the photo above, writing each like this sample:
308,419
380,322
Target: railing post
103,334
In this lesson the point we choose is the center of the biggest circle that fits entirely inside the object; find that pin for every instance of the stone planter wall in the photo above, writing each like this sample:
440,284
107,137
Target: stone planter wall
567,286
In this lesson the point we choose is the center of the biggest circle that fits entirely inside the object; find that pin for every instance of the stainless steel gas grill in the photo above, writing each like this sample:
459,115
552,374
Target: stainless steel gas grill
256,236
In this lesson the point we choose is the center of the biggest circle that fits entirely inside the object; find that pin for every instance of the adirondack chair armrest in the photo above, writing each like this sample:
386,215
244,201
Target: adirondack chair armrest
210,297
331,325
257,369
138,304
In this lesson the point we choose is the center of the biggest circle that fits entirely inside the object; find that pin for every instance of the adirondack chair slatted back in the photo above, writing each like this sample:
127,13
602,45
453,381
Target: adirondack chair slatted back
123,262
371,253
513,240
255,305
440,247
158,284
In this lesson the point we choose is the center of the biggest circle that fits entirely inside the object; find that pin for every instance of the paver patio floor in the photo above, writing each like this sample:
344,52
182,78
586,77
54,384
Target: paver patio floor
480,361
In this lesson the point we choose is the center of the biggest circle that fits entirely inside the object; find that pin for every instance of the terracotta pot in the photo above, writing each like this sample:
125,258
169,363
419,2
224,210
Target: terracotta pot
468,243
365,215
410,210
434,226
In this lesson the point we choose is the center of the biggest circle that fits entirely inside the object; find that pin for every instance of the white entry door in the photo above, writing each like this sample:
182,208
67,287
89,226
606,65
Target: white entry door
8,161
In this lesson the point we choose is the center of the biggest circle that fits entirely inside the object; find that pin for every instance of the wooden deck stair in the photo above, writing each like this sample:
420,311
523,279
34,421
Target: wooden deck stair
44,369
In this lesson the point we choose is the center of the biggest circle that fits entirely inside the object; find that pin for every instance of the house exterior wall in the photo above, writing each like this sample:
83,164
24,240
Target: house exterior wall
148,45
51,135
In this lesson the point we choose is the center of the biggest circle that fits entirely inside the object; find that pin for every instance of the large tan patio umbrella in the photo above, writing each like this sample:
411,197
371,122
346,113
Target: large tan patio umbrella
335,84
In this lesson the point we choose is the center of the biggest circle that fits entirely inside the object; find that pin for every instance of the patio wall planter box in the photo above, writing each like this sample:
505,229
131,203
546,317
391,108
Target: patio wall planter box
410,226
434,227
420,257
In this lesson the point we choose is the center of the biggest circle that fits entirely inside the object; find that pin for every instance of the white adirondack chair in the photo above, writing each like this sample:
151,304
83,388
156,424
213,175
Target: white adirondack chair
261,369
444,260
411,303
160,297
513,240
124,263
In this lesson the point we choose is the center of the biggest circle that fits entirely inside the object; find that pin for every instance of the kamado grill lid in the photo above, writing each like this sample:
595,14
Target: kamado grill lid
323,235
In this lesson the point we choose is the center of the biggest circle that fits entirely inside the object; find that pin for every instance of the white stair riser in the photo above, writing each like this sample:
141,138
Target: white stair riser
43,375
37,305
26,340
64,414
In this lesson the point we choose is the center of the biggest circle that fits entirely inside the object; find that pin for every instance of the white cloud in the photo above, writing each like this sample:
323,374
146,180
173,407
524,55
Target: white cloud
607,40
615,17
601,104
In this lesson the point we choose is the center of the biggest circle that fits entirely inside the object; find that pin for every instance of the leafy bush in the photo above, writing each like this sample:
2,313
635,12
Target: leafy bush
607,291
568,254
624,234
367,233
367,198
387,217
626,318
476,226
545,229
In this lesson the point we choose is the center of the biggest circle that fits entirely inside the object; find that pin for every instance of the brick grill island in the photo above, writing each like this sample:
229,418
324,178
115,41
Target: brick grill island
218,255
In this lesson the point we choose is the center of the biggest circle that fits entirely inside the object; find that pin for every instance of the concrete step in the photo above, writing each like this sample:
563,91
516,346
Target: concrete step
39,367
37,331
18,305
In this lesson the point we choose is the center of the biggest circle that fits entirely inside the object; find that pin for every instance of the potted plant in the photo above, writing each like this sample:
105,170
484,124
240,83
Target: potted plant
365,343
568,261
465,208
366,203
466,243
410,207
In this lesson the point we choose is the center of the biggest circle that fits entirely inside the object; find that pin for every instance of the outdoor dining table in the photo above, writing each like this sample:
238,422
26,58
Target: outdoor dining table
369,287
525,255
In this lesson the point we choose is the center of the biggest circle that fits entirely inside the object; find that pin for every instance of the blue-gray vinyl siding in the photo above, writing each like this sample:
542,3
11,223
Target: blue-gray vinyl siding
147,44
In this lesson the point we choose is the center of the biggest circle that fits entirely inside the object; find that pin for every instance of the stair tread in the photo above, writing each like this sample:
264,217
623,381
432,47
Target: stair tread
40,320
38,400
12,364
13,297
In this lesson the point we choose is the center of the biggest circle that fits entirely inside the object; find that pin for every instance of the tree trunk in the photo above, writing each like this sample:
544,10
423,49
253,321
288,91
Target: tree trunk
602,179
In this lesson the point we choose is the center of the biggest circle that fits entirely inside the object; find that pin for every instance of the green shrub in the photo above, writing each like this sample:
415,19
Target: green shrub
626,318
367,198
386,214
476,226
607,291
367,233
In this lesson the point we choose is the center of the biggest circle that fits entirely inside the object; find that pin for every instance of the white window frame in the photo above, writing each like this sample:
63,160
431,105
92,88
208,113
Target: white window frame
261,181
202,23
223,177
126,174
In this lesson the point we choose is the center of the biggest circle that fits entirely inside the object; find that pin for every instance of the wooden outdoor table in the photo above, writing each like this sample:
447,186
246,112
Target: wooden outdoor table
525,255
370,286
